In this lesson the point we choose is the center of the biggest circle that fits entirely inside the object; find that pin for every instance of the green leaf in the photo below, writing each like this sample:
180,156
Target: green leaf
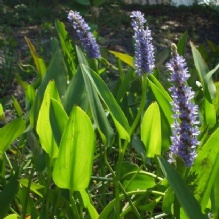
58,119
202,68
73,166
39,63
2,114
151,130
66,46
10,132
181,45
137,181
43,126
7,194
162,97
206,169
181,190
216,99
98,113
115,111
124,57
124,86
83,2
34,187
75,93
17,106
12,216
56,71
87,204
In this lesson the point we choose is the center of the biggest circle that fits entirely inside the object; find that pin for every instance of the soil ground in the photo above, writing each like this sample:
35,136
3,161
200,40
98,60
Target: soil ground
113,26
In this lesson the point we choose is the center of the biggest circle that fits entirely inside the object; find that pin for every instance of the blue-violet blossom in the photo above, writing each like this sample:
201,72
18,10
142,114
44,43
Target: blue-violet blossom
144,50
84,35
184,128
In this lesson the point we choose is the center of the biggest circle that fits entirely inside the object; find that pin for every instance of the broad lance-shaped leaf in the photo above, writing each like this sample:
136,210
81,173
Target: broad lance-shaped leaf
208,86
43,126
162,97
206,169
10,132
66,45
56,71
181,190
98,113
58,119
73,165
181,45
75,93
151,130
117,114
124,57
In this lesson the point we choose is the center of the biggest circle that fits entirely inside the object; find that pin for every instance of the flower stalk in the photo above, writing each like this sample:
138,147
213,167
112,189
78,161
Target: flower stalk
185,113
144,49
83,34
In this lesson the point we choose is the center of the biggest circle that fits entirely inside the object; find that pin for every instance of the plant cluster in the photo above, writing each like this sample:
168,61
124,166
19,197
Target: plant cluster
138,150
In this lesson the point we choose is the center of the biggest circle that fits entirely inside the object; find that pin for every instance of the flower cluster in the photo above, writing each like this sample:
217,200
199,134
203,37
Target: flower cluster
144,50
184,128
84,35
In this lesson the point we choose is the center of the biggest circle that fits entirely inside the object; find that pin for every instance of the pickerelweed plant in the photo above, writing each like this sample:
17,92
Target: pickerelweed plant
83,150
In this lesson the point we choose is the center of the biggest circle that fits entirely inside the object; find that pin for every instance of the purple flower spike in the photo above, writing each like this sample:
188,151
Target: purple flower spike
144,50
184,129
84,35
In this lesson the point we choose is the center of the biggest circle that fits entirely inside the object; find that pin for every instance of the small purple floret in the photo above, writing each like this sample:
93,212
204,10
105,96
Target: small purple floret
84,35
184,129
144,50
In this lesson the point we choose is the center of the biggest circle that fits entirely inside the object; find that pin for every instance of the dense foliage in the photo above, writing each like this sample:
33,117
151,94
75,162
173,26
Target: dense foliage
87,145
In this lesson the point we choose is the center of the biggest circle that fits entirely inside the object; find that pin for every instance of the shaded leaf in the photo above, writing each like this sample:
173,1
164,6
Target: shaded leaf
181,190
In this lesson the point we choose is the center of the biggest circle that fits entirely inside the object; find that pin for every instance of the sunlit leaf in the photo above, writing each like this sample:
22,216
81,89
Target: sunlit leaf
162,97
34,187
10,132
124,57
58,119
151,130
56,71
39,62
73,166
43,127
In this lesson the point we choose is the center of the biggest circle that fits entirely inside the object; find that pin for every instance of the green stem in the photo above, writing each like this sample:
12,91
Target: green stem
74,206
122,149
